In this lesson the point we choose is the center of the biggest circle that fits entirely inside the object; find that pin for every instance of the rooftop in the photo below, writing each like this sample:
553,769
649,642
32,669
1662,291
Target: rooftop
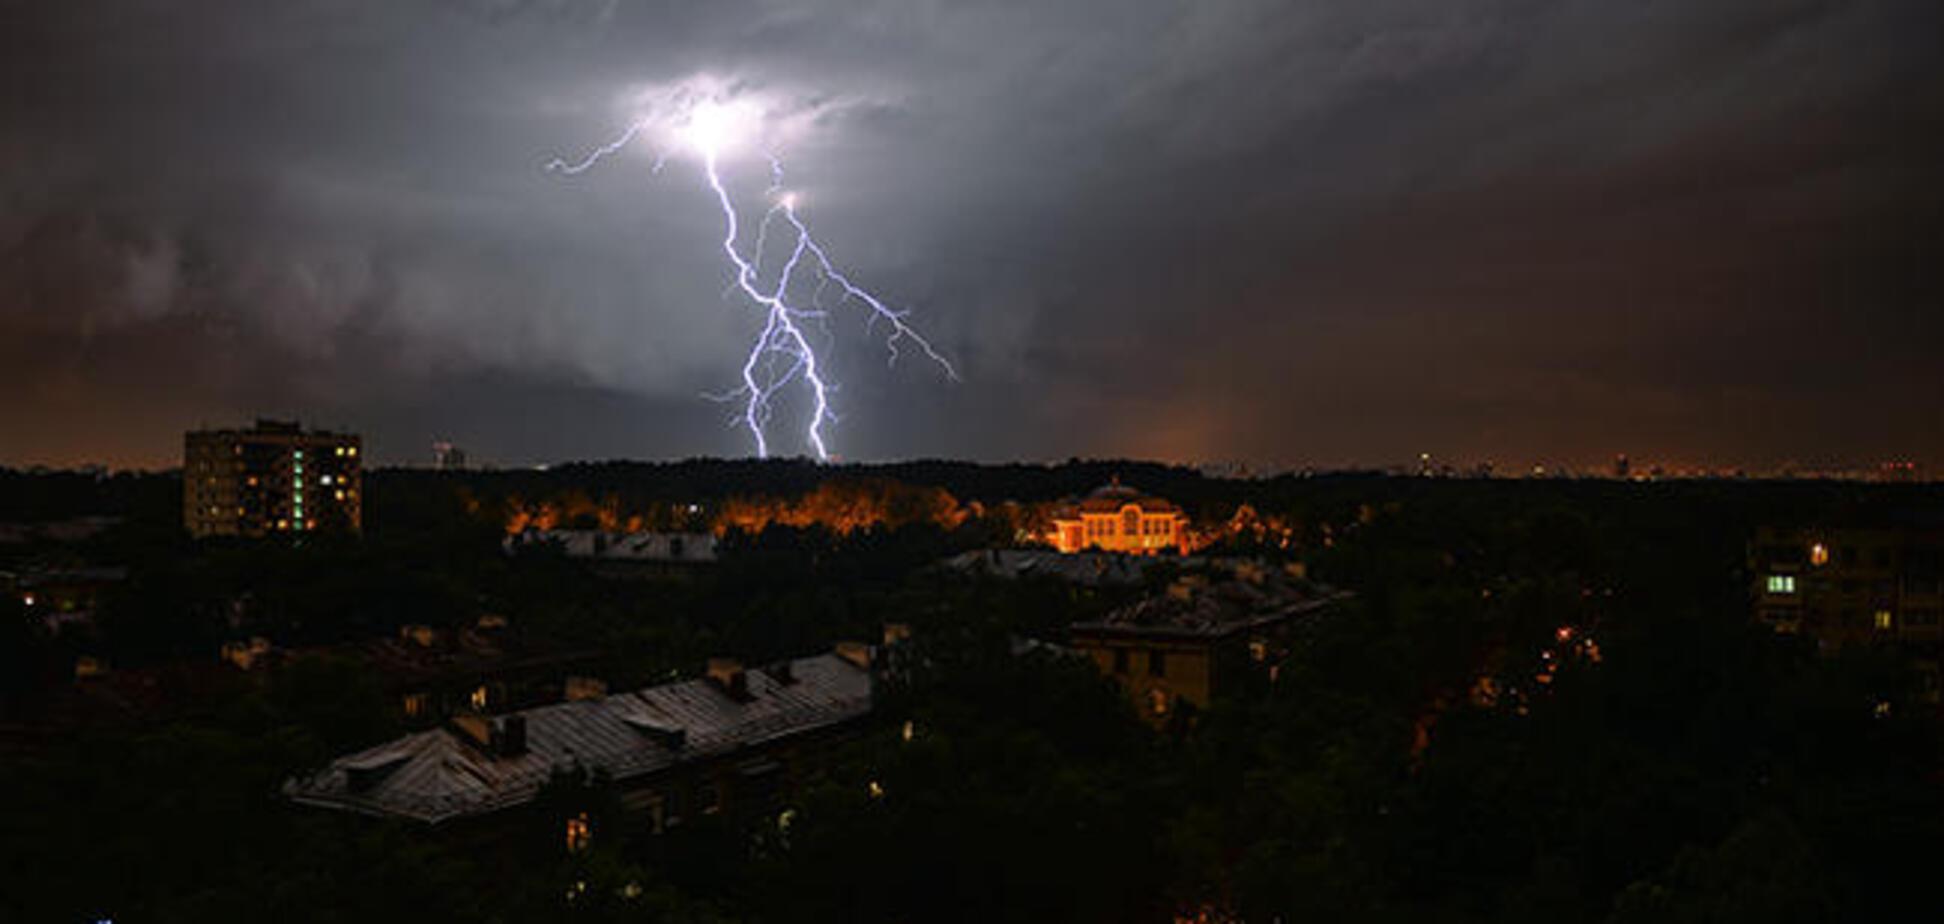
1085,567
1248,596
1113,496
619,547
437,775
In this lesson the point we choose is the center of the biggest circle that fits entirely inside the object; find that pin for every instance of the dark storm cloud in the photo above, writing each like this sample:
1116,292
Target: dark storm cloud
1306,232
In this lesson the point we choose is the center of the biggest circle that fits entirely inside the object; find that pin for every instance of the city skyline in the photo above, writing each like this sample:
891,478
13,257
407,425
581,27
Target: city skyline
1328,238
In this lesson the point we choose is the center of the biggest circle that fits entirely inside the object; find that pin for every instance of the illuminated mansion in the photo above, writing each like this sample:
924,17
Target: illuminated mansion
1116,518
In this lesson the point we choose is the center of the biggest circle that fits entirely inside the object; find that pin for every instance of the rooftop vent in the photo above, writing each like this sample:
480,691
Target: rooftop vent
362,775
666,734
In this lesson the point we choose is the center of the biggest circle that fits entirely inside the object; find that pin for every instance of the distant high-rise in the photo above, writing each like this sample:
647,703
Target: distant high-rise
1622,468
448,458
272,478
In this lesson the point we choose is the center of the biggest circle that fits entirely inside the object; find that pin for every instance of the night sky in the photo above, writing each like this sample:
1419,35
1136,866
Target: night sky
1282,232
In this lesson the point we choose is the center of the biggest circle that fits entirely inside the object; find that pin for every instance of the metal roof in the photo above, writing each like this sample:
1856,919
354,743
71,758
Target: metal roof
440,774
1081,567
621,546
1197,607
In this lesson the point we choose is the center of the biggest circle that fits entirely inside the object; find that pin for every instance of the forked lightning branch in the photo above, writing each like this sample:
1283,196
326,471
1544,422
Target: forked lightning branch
793,301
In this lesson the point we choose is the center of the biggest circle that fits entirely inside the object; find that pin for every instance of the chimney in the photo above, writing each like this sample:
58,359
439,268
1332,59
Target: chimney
857,653
727,674
474,728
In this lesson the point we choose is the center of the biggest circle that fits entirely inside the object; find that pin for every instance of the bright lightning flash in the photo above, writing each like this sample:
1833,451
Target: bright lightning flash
783,353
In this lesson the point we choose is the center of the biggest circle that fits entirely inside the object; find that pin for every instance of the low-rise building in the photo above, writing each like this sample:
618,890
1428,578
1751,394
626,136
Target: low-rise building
1197,640
1117,518
621,554
734,740
1091,568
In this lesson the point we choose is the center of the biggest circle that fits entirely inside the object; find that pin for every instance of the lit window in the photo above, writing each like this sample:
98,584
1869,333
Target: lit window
415,704
579,833
479,697
1781,583
326,479
340,495
1158,702
299,453
1884,619
1819,554
351,450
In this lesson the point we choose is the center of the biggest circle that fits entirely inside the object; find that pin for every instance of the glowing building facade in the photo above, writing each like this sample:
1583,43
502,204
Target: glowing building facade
1116,518
272,478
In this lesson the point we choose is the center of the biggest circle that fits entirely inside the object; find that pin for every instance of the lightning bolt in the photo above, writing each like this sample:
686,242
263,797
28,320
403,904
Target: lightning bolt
783,353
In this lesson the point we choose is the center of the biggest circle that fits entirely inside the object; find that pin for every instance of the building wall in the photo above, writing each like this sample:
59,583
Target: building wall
1188,671
1130,529
1852,586
272,478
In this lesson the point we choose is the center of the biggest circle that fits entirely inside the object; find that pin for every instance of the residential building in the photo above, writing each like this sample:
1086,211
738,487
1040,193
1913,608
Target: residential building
62,595
621,554
1200,638
735,740
433,673
273,478
1116,518
1850,586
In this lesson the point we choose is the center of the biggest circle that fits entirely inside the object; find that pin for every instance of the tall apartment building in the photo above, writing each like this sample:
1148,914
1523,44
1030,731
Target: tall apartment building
272,478
1854,586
